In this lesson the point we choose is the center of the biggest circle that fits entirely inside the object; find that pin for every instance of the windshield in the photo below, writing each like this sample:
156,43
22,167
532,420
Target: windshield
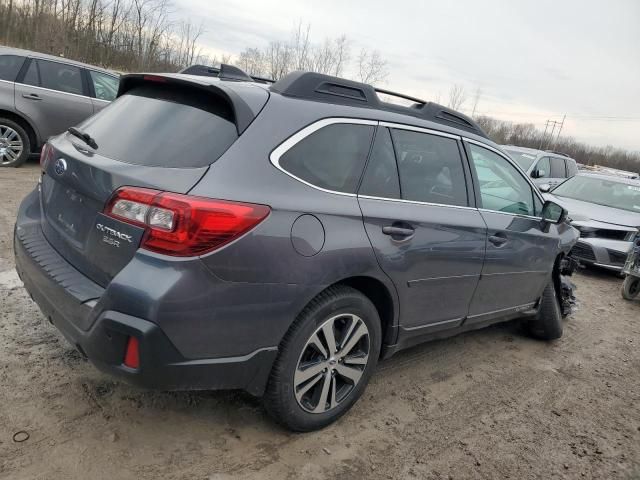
603,191
524,160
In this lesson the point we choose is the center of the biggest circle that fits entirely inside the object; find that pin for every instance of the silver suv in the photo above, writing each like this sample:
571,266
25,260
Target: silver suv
41,96
544,168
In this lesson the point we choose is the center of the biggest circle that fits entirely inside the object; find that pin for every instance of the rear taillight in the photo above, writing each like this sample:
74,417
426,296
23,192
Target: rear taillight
182,225
45,155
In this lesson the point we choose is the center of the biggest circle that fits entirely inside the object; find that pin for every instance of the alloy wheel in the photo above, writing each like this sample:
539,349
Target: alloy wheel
332,363
11,145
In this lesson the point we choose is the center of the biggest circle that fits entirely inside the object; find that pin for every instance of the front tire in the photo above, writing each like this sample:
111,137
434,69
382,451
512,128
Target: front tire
630,287
547,325
14,144
325,360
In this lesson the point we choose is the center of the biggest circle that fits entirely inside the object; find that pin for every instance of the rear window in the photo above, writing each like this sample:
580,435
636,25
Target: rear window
165,127
10,66
331,158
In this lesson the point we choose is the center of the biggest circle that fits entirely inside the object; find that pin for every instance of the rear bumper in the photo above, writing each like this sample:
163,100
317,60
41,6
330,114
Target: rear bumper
609,254
68,299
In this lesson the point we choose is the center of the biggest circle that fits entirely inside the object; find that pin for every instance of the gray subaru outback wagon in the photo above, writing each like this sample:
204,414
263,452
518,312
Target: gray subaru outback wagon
216,233
42,95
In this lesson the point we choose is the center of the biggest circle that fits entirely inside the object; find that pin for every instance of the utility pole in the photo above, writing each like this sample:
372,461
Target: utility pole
553,124
544,135
560,129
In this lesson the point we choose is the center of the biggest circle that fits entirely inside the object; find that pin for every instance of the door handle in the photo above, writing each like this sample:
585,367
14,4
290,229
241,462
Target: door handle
31,96
498,240
398,231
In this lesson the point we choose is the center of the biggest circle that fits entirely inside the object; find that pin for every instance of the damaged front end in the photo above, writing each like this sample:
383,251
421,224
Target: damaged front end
564,286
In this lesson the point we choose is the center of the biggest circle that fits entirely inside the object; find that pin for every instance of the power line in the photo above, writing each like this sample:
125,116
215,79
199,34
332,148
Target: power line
576,116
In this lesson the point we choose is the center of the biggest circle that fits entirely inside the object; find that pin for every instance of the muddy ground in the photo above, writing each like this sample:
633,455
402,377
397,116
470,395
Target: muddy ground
488,404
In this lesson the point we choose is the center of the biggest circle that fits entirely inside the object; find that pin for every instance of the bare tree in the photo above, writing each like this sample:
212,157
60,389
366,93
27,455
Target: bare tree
372,68
279,59
457,97
252,61
341,54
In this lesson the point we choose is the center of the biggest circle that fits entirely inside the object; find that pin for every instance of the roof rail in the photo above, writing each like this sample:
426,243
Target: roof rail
326,88
225,72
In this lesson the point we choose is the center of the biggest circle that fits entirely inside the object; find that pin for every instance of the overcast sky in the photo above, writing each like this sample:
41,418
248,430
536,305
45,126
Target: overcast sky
533,60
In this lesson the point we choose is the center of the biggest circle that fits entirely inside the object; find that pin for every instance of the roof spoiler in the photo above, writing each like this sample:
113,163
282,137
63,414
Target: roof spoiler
325,88
242,113
225,72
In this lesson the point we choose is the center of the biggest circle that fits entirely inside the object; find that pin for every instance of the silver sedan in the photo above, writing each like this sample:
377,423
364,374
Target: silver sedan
606,210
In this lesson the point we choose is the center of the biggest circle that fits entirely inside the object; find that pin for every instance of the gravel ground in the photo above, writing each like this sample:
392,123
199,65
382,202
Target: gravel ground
488,404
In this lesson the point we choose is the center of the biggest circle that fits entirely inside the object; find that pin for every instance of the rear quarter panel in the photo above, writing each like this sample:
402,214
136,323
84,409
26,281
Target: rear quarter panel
266,255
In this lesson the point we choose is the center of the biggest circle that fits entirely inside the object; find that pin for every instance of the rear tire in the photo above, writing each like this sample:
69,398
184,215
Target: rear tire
630,287
15,146
547,325
310,385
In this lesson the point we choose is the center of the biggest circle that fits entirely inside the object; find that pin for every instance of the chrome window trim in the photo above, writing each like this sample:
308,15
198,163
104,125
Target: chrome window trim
517,167
6,81
297,137
530,217
416,202
402,126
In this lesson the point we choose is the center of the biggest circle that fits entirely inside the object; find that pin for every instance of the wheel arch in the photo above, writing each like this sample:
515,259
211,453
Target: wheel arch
26,124
383,298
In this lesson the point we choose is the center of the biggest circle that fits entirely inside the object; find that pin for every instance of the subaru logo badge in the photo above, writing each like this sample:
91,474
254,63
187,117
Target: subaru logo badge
60,166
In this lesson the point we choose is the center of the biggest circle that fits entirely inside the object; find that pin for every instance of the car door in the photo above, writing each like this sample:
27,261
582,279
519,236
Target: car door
53,95
426,236
103,89
521,249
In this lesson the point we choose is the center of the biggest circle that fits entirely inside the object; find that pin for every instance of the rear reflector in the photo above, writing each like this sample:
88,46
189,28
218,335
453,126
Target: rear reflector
182,225
132,353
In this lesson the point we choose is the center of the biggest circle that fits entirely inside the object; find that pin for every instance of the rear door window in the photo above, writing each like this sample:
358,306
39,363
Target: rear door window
10,66
332,158
61,77
381,177
557,168
164,126
430,168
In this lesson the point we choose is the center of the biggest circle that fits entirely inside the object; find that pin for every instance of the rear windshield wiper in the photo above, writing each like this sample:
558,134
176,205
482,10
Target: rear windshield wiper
83,136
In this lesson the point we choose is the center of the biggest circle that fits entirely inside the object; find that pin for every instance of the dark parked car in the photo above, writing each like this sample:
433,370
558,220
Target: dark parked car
42,95
203,233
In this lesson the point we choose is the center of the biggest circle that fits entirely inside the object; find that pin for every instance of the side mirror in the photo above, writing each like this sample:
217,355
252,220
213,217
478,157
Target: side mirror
538,173
544,188
553,213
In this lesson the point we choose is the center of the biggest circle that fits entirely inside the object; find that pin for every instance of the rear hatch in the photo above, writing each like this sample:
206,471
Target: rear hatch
162,132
